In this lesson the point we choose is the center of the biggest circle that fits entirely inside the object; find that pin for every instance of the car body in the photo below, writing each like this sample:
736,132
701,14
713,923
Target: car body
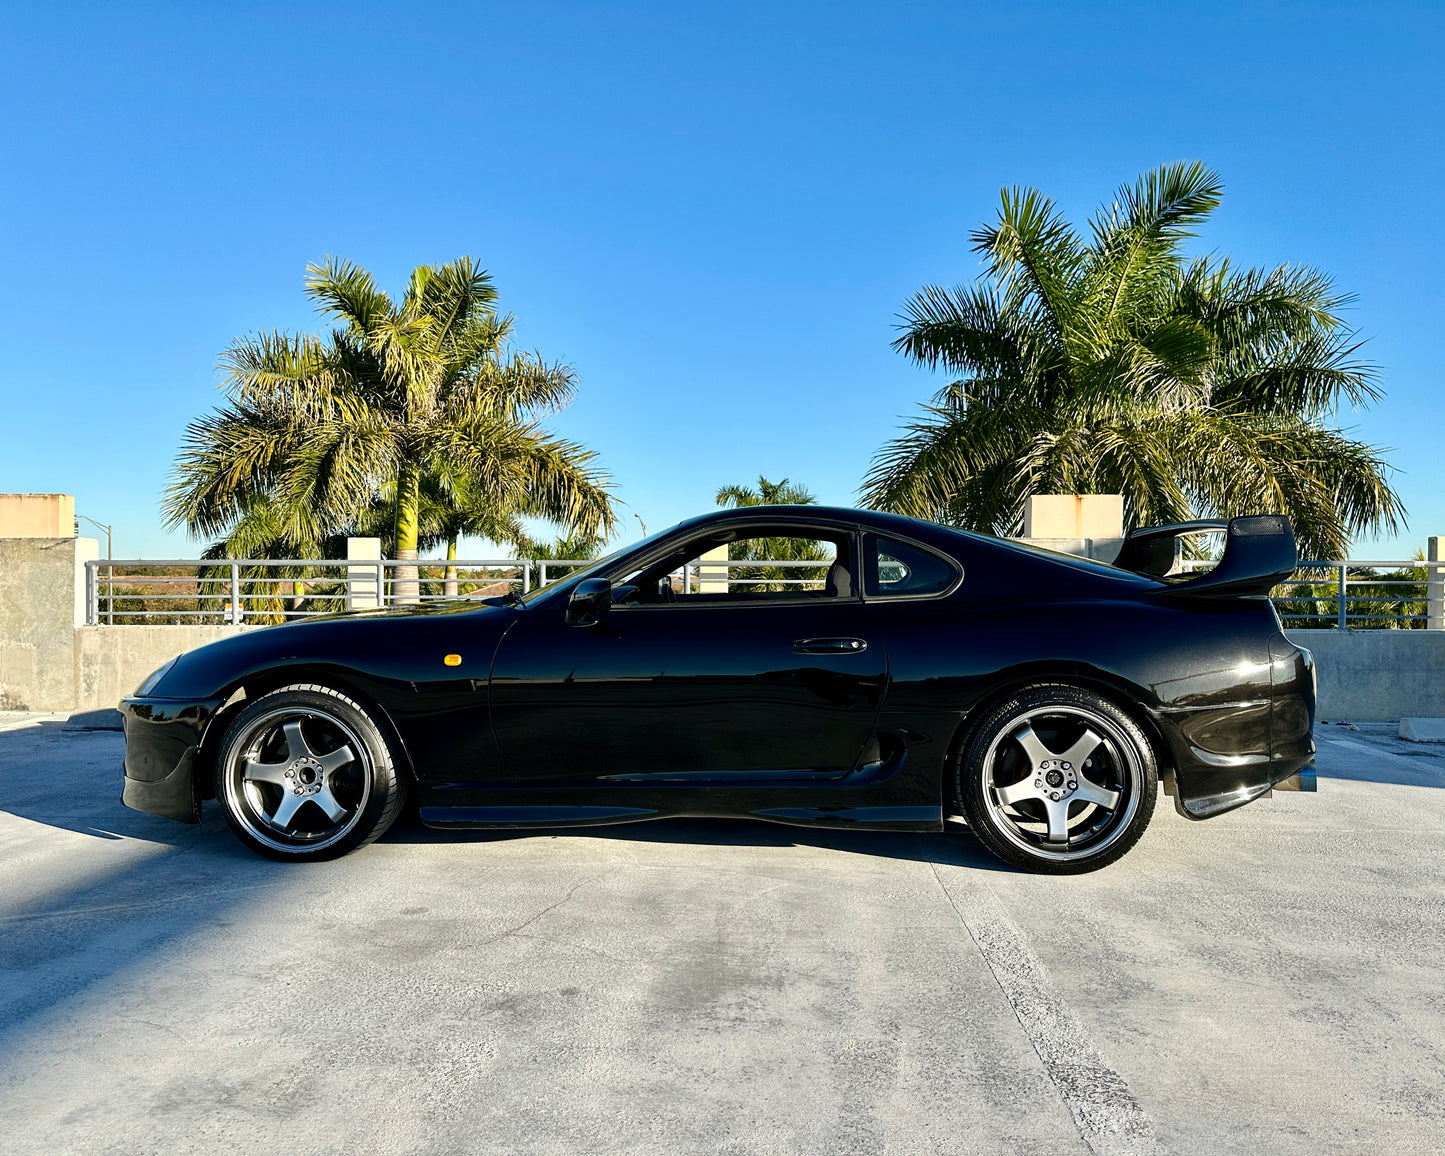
848,706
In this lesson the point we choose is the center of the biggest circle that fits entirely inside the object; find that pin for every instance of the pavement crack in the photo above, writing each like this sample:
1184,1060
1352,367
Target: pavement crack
551,907
1110,1119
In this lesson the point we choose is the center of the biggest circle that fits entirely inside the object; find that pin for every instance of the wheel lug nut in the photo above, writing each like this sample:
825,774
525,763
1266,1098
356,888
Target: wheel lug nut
1055,796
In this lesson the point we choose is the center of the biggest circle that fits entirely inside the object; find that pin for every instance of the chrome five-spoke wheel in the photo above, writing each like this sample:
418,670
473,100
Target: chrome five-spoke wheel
301,773
1058,779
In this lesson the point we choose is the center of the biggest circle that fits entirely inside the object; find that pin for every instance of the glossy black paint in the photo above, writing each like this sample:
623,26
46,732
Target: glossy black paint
841,710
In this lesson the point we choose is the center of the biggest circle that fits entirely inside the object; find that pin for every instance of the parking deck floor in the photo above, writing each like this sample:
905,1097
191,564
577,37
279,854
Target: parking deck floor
1269,981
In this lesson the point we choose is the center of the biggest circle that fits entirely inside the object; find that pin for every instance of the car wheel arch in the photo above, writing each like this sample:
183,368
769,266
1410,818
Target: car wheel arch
1130,699
252,686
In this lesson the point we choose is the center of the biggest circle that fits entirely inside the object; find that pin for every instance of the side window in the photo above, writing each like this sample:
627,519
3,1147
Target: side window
747,565
898,569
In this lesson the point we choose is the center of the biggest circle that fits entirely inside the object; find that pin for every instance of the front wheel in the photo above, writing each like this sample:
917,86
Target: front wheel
1057,780
306,773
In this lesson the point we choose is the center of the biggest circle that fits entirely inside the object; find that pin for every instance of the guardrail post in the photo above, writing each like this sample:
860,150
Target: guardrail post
527,575
1434,585
236,612
1342,619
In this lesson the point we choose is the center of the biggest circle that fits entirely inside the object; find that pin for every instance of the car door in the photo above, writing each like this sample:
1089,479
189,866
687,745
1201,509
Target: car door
696,688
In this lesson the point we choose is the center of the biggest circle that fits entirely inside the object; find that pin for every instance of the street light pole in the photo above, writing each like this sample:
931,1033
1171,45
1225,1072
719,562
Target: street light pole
109,570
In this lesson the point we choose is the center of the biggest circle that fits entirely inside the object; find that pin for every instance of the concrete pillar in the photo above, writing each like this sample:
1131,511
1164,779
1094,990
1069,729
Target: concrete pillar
712,571
365,584
1074,516
1435,585
37,516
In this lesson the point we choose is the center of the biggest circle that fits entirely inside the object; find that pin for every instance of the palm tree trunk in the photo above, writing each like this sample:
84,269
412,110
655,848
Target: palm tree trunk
449,587
405,587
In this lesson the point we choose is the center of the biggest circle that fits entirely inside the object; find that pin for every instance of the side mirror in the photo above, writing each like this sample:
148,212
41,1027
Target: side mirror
590,597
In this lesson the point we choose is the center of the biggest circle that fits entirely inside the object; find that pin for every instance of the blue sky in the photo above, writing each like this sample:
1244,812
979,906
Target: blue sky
713,211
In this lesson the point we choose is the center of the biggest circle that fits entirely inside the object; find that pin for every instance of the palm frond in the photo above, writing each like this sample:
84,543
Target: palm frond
349,294
1033,253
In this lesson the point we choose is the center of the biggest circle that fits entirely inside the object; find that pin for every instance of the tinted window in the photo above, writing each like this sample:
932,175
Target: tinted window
896,568
743,565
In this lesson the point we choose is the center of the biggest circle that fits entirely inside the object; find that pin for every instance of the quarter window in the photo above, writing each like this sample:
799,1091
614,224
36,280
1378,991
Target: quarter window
897,569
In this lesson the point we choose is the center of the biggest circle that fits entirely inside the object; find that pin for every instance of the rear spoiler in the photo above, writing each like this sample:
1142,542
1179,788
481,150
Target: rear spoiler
1259,553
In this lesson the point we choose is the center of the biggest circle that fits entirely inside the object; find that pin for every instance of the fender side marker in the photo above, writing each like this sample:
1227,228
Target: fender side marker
453,660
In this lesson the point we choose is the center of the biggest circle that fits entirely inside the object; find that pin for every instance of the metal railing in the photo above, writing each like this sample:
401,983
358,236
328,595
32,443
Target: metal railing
1406,594
1380,595
266,591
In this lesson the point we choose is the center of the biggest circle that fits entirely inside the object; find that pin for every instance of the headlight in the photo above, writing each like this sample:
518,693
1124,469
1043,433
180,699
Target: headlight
154,678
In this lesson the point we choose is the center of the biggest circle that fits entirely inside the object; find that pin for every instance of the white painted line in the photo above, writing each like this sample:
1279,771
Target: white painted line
1110,1120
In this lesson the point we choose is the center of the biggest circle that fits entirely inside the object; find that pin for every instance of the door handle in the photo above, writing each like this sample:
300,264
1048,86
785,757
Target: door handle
830,646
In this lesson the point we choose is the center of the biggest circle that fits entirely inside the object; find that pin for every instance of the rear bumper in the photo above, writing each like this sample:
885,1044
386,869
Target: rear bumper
162,743
1228,754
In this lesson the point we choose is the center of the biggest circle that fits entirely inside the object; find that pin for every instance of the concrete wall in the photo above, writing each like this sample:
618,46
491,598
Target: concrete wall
1376,675
49,660
42,600
111,661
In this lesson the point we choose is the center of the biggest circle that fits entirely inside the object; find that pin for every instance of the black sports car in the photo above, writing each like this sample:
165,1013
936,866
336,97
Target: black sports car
894,674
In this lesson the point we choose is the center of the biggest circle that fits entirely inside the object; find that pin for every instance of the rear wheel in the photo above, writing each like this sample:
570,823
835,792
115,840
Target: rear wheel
1057,779
306,773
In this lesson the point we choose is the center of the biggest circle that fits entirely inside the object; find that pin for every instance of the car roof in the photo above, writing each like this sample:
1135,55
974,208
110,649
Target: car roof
812,513
950,539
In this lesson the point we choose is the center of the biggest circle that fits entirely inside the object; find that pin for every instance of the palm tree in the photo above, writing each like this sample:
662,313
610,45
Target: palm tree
1115,364
759,578
765,493
408,404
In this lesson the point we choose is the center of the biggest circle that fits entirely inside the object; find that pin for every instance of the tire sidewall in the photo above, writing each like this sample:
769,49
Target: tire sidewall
382,800
970,774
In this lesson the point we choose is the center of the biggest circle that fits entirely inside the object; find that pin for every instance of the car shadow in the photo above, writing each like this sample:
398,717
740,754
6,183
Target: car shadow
954,847
75,786
1376,756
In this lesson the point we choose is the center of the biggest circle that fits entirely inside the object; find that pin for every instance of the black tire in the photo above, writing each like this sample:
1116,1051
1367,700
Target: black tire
305,773
1039,810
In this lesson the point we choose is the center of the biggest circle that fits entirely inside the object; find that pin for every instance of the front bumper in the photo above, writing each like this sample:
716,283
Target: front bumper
162,743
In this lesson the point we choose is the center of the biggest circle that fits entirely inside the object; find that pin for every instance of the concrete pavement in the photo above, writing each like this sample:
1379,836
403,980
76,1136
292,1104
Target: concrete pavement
1270,981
